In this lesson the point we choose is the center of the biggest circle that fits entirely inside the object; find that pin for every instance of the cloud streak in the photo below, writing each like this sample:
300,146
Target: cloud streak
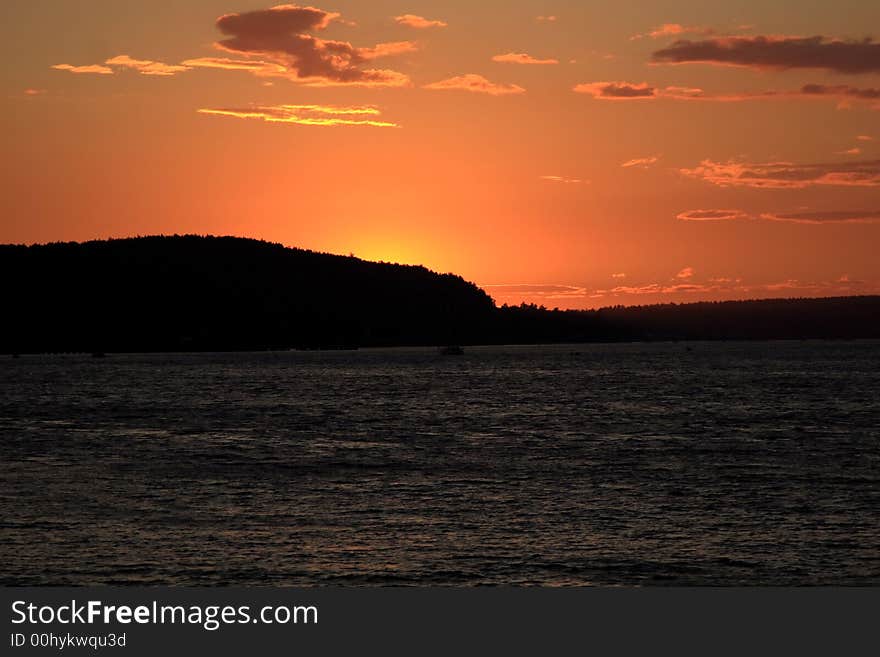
561,179
787,175
522,58
548,291
833,217
307,115
621,90
418,22
641,162
776,52
673,29
146,66
727,286
800,217
617,90
840,91
96,69
142,66
712,215
227,64
475,84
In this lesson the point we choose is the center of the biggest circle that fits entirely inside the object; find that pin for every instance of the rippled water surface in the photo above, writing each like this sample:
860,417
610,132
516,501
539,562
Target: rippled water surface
698,463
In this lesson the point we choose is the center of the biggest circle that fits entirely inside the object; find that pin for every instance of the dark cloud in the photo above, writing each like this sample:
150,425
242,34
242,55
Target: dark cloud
840,90
828,217
617,90
281,35
771,52
645,91
787,175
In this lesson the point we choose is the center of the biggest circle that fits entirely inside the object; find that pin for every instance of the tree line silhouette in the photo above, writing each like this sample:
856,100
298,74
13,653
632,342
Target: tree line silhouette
173,293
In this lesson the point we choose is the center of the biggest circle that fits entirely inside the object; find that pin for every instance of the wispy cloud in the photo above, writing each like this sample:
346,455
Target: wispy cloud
800,217
620,90
776,52
787,175
418,22
617,90
641,162
535,292
476,84
146,66
546,19
142,66
833,217
389,49
735,287
35,92
535,288
687,272
712,215
307,115
840,91
673,29
225,63
561,179
724,287
654,289
521,58
96,69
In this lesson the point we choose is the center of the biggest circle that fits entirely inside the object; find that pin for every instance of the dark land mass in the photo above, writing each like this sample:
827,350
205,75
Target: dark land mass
191,293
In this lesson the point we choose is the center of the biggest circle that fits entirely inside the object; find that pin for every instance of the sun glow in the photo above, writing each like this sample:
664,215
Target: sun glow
389,249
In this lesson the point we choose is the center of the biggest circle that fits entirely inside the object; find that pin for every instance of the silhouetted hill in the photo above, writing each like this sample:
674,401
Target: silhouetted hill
189,292
225,293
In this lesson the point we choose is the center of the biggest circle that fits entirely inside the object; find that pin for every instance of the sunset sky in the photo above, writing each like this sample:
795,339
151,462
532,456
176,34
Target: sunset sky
570,153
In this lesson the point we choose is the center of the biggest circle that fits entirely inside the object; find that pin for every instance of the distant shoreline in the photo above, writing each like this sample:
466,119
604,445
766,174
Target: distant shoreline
222,294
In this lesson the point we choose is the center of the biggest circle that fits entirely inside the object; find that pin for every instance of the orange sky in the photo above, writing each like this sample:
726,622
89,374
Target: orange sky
570,153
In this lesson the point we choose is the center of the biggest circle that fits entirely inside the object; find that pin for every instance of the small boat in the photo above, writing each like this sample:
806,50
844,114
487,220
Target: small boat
451,350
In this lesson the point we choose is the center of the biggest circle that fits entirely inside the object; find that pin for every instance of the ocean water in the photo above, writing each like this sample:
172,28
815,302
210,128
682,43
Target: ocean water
625,464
